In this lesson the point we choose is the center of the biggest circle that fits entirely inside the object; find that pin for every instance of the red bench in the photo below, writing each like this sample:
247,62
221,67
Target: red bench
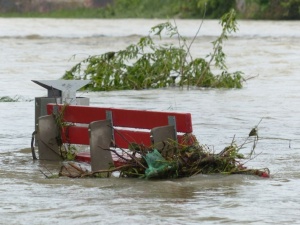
102,128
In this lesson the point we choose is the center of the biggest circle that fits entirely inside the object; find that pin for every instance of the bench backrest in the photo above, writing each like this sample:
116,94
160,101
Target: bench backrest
129,125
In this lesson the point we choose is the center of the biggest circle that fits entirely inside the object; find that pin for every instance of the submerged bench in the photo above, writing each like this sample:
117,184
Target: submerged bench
102,128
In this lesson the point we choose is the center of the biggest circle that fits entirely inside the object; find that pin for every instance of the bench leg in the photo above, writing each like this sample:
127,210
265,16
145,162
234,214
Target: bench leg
100,133
47,134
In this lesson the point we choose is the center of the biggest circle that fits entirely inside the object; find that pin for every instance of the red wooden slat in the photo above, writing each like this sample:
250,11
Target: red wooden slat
125,137
125,117
80,135
149,119
86,157
76,135
83,157
80,114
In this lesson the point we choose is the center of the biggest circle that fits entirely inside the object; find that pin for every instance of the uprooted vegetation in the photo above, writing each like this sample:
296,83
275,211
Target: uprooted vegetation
9,99
150,65
173,161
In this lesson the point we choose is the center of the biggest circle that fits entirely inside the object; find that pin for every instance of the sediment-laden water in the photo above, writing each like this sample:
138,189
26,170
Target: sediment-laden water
43,49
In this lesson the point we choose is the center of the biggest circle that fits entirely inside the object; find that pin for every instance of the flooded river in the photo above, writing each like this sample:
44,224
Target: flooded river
43,49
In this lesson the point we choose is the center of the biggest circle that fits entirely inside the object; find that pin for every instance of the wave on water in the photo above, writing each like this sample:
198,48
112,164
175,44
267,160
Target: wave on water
34,36
137,36
93,28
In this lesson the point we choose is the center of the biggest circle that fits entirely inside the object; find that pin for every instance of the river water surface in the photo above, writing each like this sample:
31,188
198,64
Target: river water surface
42,49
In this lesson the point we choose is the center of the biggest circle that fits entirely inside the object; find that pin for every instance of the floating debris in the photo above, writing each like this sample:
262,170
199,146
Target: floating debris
9,99
172,161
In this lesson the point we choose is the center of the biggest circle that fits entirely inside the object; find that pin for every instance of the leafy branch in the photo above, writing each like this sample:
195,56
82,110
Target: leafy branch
151,63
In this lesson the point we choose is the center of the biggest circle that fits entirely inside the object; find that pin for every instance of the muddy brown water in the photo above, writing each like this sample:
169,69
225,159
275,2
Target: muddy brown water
37,49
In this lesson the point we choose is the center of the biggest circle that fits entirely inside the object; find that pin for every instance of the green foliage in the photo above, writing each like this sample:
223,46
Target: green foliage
291,9
69,152
150,65
66,151
167,8
9,99
214,8
276,9
255,9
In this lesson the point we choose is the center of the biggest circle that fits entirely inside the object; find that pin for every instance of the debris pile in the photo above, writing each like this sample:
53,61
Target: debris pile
173,160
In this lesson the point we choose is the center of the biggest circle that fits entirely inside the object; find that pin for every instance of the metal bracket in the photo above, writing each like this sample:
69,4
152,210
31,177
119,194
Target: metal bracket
100,139
66,89
110,118
161,134
47,143
172,121
55,110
